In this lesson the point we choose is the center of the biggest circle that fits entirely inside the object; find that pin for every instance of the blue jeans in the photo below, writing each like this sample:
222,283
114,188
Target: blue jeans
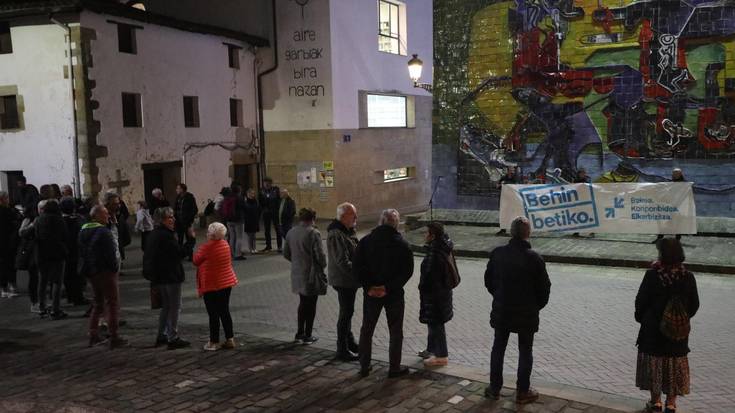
168,318
525,360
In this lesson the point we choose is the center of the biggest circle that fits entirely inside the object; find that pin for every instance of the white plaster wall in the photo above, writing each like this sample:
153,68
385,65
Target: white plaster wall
358,65
169,64
281,111
43,149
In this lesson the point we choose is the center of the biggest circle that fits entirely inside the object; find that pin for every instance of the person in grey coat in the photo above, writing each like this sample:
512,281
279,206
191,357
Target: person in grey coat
341,244
303,247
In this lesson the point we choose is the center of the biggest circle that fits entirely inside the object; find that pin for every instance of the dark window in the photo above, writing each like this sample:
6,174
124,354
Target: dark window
191,111
6,43
131,108
9,112
235,112
233,56
126,38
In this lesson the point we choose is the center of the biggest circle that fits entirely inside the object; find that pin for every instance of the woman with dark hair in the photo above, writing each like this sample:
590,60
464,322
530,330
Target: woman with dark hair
666,300
303,247
438,270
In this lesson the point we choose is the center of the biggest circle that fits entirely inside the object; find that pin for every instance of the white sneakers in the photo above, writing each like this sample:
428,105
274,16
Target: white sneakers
211,346
9,292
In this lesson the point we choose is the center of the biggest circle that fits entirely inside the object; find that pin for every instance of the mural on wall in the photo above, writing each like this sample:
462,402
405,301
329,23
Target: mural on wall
643,83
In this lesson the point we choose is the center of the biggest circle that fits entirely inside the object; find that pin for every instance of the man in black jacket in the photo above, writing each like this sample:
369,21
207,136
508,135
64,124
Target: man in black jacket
51,250
517,279
383,263
100,263
9,223
162,267
269,199
286,213
185,213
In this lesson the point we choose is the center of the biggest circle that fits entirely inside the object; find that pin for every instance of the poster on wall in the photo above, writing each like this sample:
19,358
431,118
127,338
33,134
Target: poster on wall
629,208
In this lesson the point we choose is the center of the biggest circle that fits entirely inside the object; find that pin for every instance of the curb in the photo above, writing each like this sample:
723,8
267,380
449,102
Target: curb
597,261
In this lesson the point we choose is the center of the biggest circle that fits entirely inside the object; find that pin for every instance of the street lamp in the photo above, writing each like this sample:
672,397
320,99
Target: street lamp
415,65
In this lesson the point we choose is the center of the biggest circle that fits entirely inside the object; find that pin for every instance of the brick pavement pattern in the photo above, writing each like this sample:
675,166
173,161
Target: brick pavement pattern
47,368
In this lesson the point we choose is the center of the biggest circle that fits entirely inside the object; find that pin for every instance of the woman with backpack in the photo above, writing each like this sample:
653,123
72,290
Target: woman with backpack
666,300
439,276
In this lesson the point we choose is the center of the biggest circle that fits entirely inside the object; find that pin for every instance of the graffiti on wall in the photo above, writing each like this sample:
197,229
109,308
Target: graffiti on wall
549,80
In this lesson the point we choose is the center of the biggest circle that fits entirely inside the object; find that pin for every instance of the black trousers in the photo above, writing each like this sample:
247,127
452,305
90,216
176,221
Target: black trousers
525,360
52,275
7,272
73,282
268,220
346,298
218,309
33,283
306,315
182,233
143,239
437,340
394,307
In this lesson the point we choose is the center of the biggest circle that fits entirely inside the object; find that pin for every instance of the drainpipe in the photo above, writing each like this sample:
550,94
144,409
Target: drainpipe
75,150
261,127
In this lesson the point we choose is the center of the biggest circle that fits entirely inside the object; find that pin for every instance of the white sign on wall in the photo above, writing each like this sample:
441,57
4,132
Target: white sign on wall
386,111
631,208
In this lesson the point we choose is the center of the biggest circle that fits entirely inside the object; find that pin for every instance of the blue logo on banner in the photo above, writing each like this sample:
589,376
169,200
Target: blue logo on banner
556,208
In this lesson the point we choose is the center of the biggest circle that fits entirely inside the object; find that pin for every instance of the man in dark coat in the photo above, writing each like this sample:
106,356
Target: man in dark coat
269,199
9,224
286,213
29,195
51,252
517,279
185,212
383,263
157,200
162,267
341,244
73,283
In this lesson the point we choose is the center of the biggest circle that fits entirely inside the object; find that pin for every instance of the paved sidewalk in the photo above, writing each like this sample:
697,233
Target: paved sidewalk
47,368
714,254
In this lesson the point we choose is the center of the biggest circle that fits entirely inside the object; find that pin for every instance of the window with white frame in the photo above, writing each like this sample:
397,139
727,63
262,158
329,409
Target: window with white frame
396,174
386,111
392,27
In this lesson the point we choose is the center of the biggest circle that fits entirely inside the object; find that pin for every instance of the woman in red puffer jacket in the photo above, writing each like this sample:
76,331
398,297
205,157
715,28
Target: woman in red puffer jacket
215,278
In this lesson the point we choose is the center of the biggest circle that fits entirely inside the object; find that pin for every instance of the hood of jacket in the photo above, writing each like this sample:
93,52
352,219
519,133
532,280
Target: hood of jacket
444,244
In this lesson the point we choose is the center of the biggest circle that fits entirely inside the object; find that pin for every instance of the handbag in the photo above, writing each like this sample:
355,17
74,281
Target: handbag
155,298
675,320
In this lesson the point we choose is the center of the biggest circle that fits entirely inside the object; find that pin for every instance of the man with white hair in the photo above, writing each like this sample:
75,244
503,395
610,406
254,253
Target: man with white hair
158,201
516,277
341,244
383,264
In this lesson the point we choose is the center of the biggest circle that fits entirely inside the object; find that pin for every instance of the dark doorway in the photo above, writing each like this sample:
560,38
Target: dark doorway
164,175
246,176
11,178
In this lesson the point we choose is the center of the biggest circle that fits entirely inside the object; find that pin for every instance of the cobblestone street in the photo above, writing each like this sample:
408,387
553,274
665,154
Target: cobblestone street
586,340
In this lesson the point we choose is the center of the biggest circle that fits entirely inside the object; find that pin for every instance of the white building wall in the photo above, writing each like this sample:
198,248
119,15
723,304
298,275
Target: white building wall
298,95
169,65
43,148
358,65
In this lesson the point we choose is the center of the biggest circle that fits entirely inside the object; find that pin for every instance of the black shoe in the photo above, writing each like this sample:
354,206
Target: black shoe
492,394
653,407
347,355
365,371
160,340
59,315
352,344
501,232
178,343
117,342
95,340
240,258
266,249
525,397
298,338
425,354
404,371
309,340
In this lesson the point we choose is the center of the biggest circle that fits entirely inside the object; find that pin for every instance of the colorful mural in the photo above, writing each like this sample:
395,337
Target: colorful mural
550,81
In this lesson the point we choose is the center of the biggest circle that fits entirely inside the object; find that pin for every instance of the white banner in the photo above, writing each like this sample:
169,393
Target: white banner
630,208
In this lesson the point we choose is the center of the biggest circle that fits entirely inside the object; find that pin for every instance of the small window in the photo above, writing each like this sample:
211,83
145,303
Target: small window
385,111
233,56
6,43
131,108
126,38
9,118
191,111
397,174
235,112
390,27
